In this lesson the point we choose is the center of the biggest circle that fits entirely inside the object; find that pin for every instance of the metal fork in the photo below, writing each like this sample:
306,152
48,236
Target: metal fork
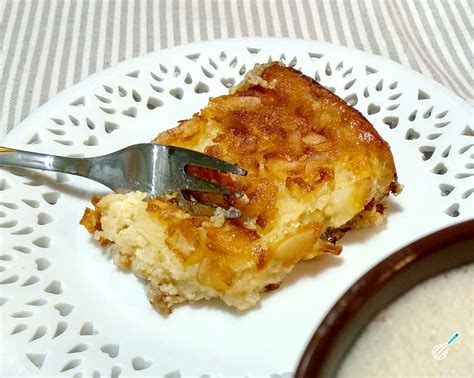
151,168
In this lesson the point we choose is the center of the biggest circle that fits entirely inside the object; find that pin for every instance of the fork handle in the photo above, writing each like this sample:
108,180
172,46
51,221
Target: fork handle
17,158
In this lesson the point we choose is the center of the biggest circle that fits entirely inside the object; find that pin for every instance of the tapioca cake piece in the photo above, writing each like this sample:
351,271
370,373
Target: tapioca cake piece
316,169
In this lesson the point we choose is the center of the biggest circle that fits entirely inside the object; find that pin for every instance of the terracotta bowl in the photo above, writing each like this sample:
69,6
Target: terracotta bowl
398,273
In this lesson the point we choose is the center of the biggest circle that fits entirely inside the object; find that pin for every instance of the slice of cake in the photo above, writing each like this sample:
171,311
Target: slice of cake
316,169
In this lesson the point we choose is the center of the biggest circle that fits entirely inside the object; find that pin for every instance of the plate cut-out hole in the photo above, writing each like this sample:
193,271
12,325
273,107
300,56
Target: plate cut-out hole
153,103
57,131
135,73
111,349
394,96
54,287
88,329
316,76
468,131
91,141
136,96
213,64
90,124
60,329
71,365
42,242
9,280
373,109
340,66
379,86
116,371
30,281
108,110
228,82
441,124
9,205
315,56
23,231
22,249
64,308
4,184
155,76
469,165
464,149
130,112
442,114
242,70
411,134
138,363
5,258
9,224
233,62
39,333
349,84
440,169
3,300
283,57
96,374
22,314
78,348
31,203
177,93
35,182
206,72
163,69
445,189
74,120
110,127
35,139
393,107
366,92
2,214
105,100
433,136
412,116
370,70
156,88
393,85
427,152
428,113
51,197
328,69
36,359
351,99
64,142
108,89
422,95
463,175
347,72
42,264
446,152
201,88
194,56
79,102
122,91
188,79
37,302
293,62
177,71
58,121
467,193
453,210
19,328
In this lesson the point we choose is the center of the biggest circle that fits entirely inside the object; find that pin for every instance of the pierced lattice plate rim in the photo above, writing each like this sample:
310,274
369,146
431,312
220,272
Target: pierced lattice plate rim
67,310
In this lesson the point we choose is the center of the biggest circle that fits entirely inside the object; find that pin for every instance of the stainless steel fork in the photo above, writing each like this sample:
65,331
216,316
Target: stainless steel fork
151,168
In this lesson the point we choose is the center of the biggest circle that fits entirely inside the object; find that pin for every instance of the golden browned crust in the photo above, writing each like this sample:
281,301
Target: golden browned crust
316,168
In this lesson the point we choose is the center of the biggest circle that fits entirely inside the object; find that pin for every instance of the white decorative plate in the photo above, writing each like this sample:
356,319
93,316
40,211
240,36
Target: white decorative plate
67,310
